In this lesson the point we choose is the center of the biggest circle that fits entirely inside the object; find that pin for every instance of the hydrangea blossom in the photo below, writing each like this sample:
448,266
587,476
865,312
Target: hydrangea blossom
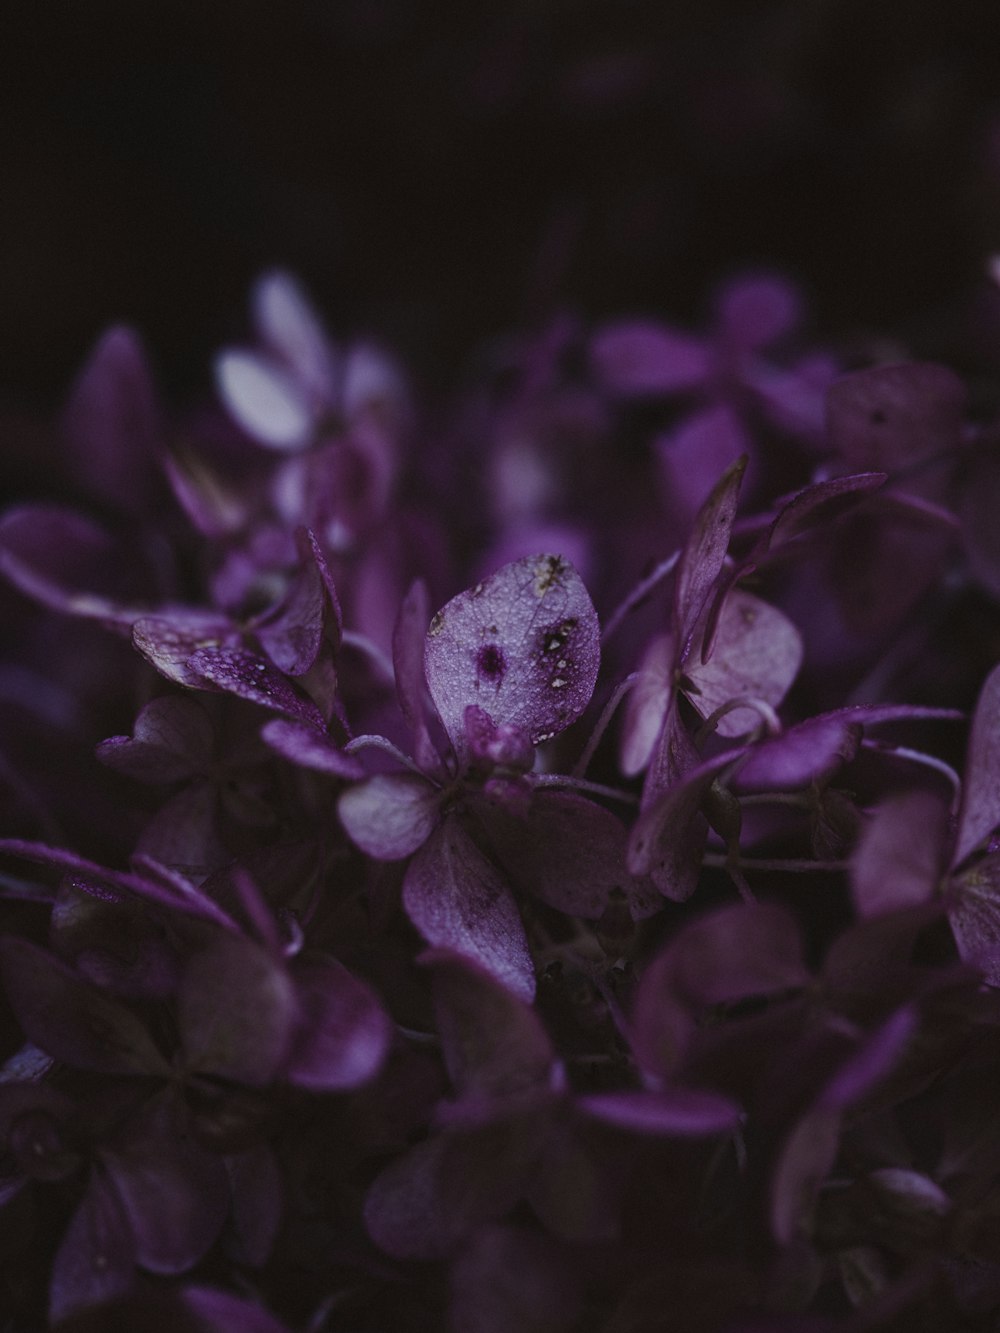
620,936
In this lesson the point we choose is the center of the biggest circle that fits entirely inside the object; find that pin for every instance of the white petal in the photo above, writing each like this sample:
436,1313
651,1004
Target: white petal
288,326
263,399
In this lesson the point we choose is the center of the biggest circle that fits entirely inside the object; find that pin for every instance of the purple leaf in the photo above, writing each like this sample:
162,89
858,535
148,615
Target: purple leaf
757,652
901,854
173,738
891,415
390,815
249,677
458,900
494,1046
704,554
302,745
72,1020
67,563
639,357
568,852
344,1032
95,1261
237,1012
980,809
673,1112
524,645
264,399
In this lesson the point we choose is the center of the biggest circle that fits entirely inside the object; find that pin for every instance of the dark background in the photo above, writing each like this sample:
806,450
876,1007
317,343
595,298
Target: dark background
436,173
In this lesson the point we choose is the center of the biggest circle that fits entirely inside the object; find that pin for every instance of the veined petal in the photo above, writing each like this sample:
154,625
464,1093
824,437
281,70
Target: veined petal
458,900
390,815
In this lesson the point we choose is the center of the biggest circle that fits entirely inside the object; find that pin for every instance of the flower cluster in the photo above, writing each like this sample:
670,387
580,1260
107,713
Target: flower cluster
527,866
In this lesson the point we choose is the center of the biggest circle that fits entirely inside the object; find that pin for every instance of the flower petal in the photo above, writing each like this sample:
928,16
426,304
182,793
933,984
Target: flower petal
390,815
249,677
458,900
524,645
344,1032
72,1020
263,399
636,358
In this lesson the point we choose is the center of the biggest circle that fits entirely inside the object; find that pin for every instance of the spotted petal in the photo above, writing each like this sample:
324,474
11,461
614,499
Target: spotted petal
523,646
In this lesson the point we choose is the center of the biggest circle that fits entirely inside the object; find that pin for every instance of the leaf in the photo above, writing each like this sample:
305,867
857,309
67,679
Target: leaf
458,900
524,645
